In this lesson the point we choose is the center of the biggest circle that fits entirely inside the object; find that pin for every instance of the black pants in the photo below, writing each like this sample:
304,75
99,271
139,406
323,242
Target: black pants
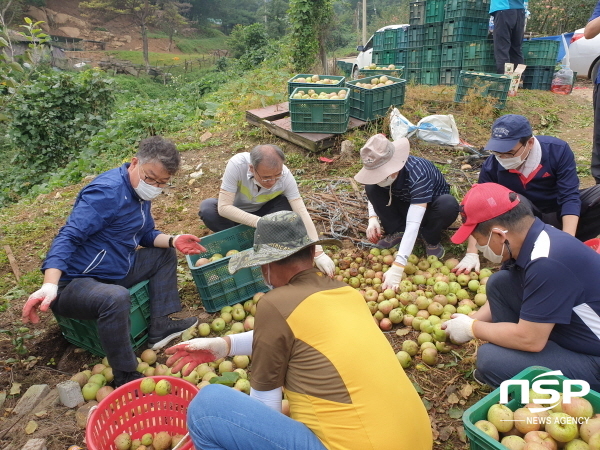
596,146
209,212
441,212
509,29
589,217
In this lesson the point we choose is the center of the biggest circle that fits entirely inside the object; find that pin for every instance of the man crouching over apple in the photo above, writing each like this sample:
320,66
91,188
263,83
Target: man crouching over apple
543,307
309,331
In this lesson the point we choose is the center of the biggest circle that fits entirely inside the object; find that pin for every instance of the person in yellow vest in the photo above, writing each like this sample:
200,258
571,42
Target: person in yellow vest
310,335
254,184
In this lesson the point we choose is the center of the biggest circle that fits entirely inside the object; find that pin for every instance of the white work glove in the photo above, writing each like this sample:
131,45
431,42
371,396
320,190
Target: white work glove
392,278
39,299
459,328
469,262
195,352
374,230
325,264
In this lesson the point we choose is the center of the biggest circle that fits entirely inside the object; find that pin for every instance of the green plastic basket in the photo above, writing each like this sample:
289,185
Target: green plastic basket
340,82
413,76
474,9
449,77
483,85
431,57
378,41
370,104
451,55
84,333
415,36
416,13
430,77
540,52
319,115
216,286
478,54
377,57
538,77
434,11
481,441
402,37
464,29
397,72
389,39
432,33
345,67
413,57
401,56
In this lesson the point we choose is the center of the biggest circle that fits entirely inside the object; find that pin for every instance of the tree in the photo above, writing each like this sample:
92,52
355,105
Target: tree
274,14
310,21
9,9
141,12
170,18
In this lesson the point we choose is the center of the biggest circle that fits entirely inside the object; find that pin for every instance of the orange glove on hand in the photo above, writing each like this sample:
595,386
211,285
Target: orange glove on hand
188,244
195,352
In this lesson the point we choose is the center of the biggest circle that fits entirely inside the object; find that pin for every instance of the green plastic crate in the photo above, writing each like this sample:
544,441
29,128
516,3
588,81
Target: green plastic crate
378,41
389,40
481,84
84,333
397,72
481,441
377,57
401,57
402,38
413,57
449,77
370,104
451,55
416,13
431,57
538,77
464,29
319,115
432,33
345,67
389,57
430,77
216,286
475,9
415,36
434,11
413,76
540,52
340,82
477,54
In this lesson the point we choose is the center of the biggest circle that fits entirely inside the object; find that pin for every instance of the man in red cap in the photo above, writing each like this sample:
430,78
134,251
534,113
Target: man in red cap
543,306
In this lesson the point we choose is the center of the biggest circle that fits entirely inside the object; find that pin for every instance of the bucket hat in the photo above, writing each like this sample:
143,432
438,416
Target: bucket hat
381,158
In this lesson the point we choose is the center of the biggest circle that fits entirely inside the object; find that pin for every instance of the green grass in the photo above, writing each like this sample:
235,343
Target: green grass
202,46
161,59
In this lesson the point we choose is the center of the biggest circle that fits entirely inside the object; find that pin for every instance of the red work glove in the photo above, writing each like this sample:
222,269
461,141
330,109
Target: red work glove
188,244
195,352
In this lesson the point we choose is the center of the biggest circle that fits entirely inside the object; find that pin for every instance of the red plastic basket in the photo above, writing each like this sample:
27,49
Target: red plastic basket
593,244
128,410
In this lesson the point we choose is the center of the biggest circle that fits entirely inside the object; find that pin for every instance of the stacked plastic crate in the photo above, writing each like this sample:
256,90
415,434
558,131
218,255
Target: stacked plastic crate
386,46
540,56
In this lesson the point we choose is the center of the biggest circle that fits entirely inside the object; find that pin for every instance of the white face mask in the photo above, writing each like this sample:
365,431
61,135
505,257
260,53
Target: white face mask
512,163
258,184
146,191
388,181
488,253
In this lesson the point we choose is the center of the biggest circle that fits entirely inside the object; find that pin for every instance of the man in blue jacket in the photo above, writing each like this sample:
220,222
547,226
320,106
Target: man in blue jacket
542,169
592,29
94,259
509,29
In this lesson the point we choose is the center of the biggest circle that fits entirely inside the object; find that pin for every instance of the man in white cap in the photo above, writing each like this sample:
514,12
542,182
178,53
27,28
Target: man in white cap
308,333
409,195
543,307
542,170
254,184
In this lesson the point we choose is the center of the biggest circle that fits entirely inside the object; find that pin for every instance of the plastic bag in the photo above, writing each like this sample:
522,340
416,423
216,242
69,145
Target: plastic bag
562,81
438,129
400,126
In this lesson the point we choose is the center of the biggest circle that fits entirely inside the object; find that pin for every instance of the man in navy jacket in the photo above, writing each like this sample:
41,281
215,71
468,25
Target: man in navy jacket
95,258
542,169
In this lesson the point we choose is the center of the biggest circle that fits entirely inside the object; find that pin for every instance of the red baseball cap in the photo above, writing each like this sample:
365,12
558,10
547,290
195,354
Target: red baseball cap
483,202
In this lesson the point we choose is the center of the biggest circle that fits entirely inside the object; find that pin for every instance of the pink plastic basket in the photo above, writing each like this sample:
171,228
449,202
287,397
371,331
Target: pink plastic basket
128,410
593,244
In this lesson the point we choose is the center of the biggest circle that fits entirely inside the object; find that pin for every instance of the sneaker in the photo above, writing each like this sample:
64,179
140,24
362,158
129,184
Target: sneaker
166,329
391,240
435,250
122,378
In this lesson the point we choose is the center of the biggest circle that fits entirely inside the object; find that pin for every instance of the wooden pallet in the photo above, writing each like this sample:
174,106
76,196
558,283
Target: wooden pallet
275,118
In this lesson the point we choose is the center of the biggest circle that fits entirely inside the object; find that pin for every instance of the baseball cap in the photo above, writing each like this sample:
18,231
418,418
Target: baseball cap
483,202
381,157
507,131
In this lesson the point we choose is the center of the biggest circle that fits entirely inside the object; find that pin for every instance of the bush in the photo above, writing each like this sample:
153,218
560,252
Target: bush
249,39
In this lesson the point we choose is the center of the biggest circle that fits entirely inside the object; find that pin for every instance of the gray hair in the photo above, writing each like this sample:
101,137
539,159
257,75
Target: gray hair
161,150
267,154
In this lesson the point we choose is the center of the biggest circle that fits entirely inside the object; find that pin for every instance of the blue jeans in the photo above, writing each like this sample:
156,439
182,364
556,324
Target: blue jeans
222,418
496,364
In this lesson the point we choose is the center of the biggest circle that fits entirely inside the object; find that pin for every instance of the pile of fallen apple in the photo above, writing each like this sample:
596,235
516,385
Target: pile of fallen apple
570,426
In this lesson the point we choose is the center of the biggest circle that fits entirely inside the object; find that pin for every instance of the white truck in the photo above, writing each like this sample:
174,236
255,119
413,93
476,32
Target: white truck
365,55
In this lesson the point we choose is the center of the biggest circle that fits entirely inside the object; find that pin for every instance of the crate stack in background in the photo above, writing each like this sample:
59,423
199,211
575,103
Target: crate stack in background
540,57
386,46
